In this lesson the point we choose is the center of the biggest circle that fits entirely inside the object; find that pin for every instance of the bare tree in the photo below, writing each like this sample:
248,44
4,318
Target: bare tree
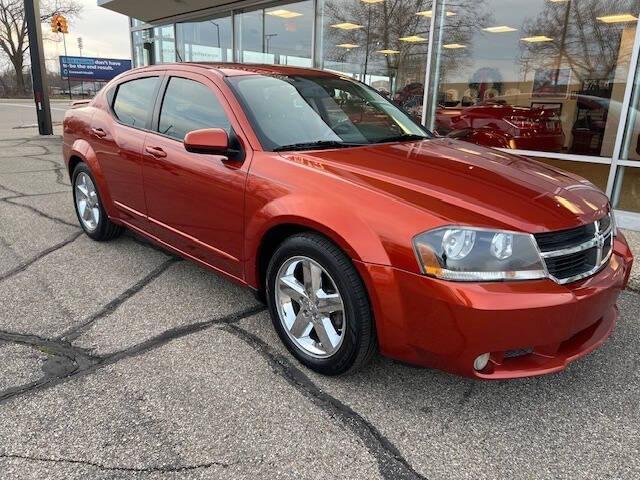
14,40
577,38
383,24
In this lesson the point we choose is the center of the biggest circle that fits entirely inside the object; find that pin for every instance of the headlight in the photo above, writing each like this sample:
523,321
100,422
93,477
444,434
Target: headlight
475,254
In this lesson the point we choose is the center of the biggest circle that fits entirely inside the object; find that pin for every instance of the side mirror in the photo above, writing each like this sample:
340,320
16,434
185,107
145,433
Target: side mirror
214,141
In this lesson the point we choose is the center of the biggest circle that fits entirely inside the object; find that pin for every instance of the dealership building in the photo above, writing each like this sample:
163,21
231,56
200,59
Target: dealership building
557,80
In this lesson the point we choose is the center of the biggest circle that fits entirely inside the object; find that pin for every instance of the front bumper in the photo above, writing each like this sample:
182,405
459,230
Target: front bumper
530,328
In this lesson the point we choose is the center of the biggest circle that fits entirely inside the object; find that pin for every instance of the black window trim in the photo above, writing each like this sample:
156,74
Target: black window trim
113,94
235,143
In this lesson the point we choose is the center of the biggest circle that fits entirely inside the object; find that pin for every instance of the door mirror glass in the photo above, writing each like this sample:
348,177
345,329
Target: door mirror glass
208,140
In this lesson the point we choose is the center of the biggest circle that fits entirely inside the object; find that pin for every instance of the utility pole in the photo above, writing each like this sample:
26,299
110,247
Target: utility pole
39,79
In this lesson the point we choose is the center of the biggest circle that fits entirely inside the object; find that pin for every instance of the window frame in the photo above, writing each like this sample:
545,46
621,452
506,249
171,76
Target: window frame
238,140
112,95
162,94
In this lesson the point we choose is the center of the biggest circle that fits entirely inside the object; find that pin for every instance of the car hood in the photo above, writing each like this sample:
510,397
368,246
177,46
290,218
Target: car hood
462,183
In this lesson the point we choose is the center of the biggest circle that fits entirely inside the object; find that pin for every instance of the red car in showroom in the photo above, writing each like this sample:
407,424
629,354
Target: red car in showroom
501,125
360,230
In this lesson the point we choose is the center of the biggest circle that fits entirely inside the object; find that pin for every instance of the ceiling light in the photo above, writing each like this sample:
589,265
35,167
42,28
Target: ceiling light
621,18
413,39
500,29
537,39
429,13
454,45
388,52
347,26
371,1
282,13
347,45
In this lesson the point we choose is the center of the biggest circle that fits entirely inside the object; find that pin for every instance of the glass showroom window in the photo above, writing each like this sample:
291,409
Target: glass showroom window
164,46
383,43
205,41
280,34
140,54
153,45
626,191
541,75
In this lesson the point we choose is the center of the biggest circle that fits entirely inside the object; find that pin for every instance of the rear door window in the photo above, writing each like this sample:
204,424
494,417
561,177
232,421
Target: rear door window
189,105
134,101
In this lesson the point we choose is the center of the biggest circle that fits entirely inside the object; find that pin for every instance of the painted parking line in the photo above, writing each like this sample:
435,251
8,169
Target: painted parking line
31,106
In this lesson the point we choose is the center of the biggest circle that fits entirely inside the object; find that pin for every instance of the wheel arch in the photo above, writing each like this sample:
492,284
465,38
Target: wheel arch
278,230
82,152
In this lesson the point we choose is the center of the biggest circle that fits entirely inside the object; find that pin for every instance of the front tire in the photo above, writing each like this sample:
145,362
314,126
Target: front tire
319,306
91,214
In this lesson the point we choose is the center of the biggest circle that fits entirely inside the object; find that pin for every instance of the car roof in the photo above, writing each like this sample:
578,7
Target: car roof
234,69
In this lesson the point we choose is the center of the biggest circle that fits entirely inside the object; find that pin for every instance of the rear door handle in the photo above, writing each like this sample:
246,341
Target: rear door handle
98,132
156,152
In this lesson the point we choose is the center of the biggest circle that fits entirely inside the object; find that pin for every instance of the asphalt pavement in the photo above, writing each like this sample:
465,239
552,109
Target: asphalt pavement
119,360
18,118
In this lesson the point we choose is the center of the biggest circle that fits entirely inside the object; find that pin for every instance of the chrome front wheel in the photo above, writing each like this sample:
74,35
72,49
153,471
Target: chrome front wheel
310,307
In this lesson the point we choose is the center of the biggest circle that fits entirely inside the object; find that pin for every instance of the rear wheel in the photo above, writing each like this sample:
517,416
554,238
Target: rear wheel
91,214
319,306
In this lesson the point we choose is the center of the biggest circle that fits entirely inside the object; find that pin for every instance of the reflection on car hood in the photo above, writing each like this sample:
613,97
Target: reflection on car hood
467,184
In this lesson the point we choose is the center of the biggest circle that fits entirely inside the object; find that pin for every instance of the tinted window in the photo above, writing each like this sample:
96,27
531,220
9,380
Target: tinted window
189,106
290,110
134,101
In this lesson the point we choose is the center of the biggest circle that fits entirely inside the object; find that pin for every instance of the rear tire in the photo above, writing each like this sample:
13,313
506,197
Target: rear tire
330,331
91,214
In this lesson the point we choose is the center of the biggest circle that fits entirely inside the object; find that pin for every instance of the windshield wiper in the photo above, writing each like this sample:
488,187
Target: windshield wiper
316,145
401,138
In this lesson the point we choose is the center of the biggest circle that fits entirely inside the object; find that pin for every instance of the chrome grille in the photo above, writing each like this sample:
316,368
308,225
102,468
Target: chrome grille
571,255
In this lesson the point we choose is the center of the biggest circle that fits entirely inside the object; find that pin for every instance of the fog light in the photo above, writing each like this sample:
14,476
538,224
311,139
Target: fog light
481,362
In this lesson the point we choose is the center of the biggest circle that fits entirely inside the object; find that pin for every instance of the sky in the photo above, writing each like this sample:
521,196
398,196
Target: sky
104,34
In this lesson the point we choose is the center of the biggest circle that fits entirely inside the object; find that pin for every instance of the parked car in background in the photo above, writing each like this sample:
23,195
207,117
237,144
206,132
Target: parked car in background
359,228
497,124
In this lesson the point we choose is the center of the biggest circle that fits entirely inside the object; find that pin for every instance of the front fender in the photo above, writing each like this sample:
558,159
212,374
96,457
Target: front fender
354,236
83,150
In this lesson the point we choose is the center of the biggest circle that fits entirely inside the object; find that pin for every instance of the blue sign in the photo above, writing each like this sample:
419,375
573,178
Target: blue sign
91,68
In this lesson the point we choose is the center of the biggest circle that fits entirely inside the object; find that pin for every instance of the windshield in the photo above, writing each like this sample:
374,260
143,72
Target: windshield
305,112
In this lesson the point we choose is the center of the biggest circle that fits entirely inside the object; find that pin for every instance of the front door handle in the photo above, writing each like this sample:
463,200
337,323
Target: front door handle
156,152
98,132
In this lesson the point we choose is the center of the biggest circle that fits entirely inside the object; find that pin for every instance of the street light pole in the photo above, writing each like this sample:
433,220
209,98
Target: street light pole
64,41
39,80
81,81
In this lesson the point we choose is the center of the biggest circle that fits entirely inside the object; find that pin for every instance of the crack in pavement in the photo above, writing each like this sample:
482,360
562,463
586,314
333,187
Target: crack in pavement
21,172
63,359
103,467
40,213
74,332
391,463
26,264
464,399
87,364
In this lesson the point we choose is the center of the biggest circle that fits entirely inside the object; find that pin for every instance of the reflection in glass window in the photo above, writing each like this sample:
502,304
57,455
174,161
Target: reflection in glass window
536,74
205,41
153,45
189,106
276,35
134,101
381,43
140,54
164,47
293,110
626,195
